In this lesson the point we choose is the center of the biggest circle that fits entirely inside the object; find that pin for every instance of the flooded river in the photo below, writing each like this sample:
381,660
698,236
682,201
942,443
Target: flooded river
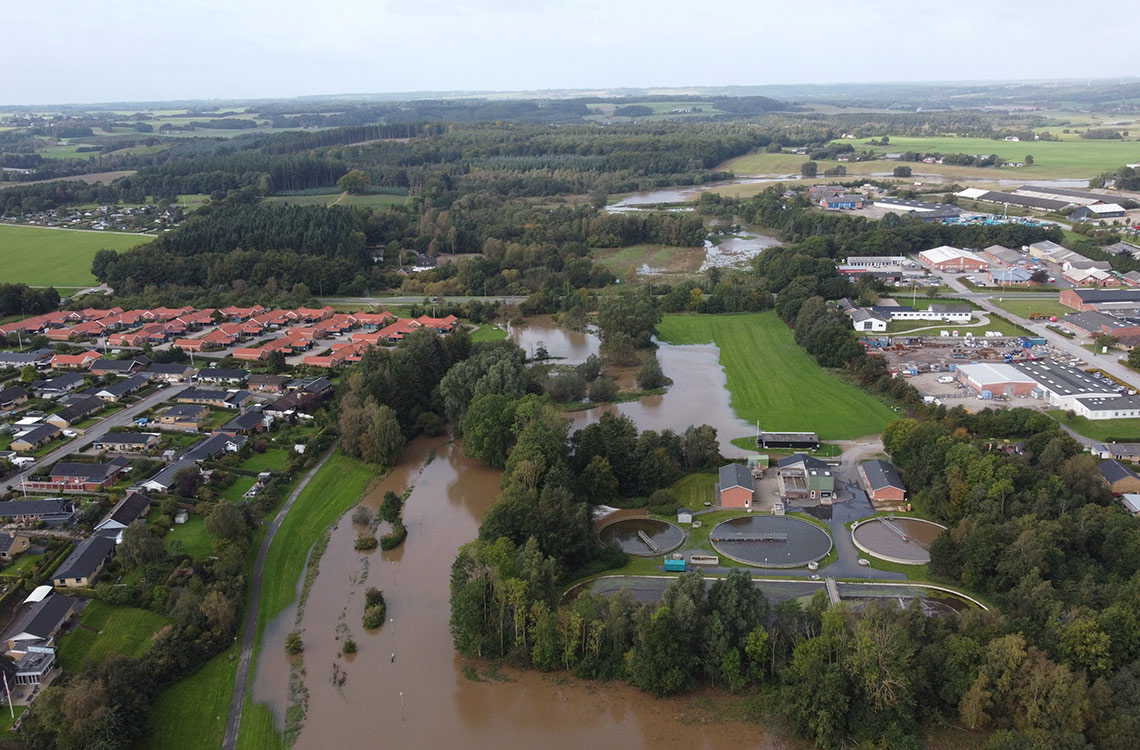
406,687
570,347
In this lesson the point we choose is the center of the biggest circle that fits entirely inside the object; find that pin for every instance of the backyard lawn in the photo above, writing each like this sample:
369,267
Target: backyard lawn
488,332
191,538
773,381
235,492
272,460
61,257
105,630
191,714
1104,430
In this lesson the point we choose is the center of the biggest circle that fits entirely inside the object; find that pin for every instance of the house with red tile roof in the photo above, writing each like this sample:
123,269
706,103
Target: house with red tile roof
251,355
241,313
74,361
373,321
399,329
439,325
130,338
328,361
189,345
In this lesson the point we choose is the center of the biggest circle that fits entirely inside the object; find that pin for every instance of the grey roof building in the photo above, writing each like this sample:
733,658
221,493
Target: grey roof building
735,475
85,562
881,475
131,508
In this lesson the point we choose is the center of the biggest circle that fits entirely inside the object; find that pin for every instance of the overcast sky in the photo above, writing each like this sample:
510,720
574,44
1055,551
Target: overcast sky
70,51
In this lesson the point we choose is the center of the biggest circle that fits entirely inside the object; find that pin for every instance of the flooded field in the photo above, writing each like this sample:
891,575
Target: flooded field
406,687
698,396
567,346
736,251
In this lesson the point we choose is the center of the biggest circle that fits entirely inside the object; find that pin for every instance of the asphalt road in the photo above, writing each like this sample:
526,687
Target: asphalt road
121,418
249,631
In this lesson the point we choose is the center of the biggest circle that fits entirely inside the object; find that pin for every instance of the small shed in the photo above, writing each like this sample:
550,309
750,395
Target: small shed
182,516
684,515
1131,502
675,566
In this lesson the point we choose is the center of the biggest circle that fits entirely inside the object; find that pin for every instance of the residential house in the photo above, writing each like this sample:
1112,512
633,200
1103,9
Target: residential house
76,410
12,545
29,440
184,416
222,376
127,442
116,391
12,397
39,358
131,508
38,621
247,423
881,481
735,487
214,447
866,319
52,511
439,325
1120,478
216,398
251,355
59,385
164,480
268,383
79,361
69,476
173,372
82,567
801,476
120,366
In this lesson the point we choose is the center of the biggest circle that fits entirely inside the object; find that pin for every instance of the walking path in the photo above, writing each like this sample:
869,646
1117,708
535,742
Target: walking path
249,632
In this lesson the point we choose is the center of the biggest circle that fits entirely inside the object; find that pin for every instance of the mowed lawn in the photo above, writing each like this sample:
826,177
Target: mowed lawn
774,381
1103,430
56,257
1026,307
105,630
191,714
191,539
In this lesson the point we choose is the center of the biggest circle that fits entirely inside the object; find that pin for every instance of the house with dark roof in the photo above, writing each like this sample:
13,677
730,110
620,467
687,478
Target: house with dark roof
37,623
12,545
1120,478
247,423
29,440
267,383
40,358
882,482
216,398
183,416
127,442
12,397
171,372
735,486
85,563
52,511
116,391
120,366
60,385
131,508
803,477
164,480
77,410
222,376
214,447
68,476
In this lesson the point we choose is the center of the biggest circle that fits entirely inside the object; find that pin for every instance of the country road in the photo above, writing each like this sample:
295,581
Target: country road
249,631
121,418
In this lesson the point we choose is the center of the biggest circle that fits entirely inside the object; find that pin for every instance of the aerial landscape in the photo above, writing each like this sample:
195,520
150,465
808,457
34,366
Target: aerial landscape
535,395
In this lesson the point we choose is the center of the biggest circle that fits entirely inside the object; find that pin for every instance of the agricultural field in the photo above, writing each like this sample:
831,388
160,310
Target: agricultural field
191,714
373,200
657,259
774,381
56,257
106,630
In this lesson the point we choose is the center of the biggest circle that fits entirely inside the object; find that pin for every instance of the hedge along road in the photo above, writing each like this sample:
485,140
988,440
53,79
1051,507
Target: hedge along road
249,632
775,382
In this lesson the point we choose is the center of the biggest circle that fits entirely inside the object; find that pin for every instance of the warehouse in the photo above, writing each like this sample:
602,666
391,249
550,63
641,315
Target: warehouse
1027,201
1076,197
1098,212
1084,300
995,379
1061,385
1093,324
1121,407
946,258
1003,255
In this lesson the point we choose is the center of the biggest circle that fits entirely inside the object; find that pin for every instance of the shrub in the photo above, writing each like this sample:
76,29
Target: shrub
349,646
603,389
365,543
663,502
373,596
430,423
396,537
362,515
391,506
651,376
293,643
374,616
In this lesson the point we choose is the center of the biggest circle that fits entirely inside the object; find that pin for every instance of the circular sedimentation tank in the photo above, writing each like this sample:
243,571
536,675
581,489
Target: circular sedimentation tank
771,541
647,537
899,540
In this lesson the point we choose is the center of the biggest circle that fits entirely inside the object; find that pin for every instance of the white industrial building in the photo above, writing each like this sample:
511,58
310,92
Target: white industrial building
947,258
1095,407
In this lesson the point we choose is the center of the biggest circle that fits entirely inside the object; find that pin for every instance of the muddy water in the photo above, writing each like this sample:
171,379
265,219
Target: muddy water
736,251
698,396
570,347
406,688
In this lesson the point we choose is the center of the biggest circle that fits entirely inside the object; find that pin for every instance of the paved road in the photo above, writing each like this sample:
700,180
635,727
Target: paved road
1107,363
121,418
249,632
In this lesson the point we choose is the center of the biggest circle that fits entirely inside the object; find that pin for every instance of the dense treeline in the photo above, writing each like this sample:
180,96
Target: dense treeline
21,299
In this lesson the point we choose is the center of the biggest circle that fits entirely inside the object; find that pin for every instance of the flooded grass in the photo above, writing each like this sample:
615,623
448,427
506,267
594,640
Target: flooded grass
775,382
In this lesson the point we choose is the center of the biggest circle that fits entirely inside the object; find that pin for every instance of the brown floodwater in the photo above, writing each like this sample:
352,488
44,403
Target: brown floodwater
697,396
567,346
406,686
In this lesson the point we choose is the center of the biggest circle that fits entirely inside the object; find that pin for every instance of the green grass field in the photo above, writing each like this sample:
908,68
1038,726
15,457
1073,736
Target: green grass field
196,542
105,630
258,728
488,332
694,490
191,714
774,381
272,460
1104,430
1026,307
657,258
45,257
236,491
372,200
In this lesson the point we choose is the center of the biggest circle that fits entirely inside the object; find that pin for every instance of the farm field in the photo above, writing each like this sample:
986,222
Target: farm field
105,630
1026,307
45,257
1104,430
774,381
191,714
659,259
375,200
